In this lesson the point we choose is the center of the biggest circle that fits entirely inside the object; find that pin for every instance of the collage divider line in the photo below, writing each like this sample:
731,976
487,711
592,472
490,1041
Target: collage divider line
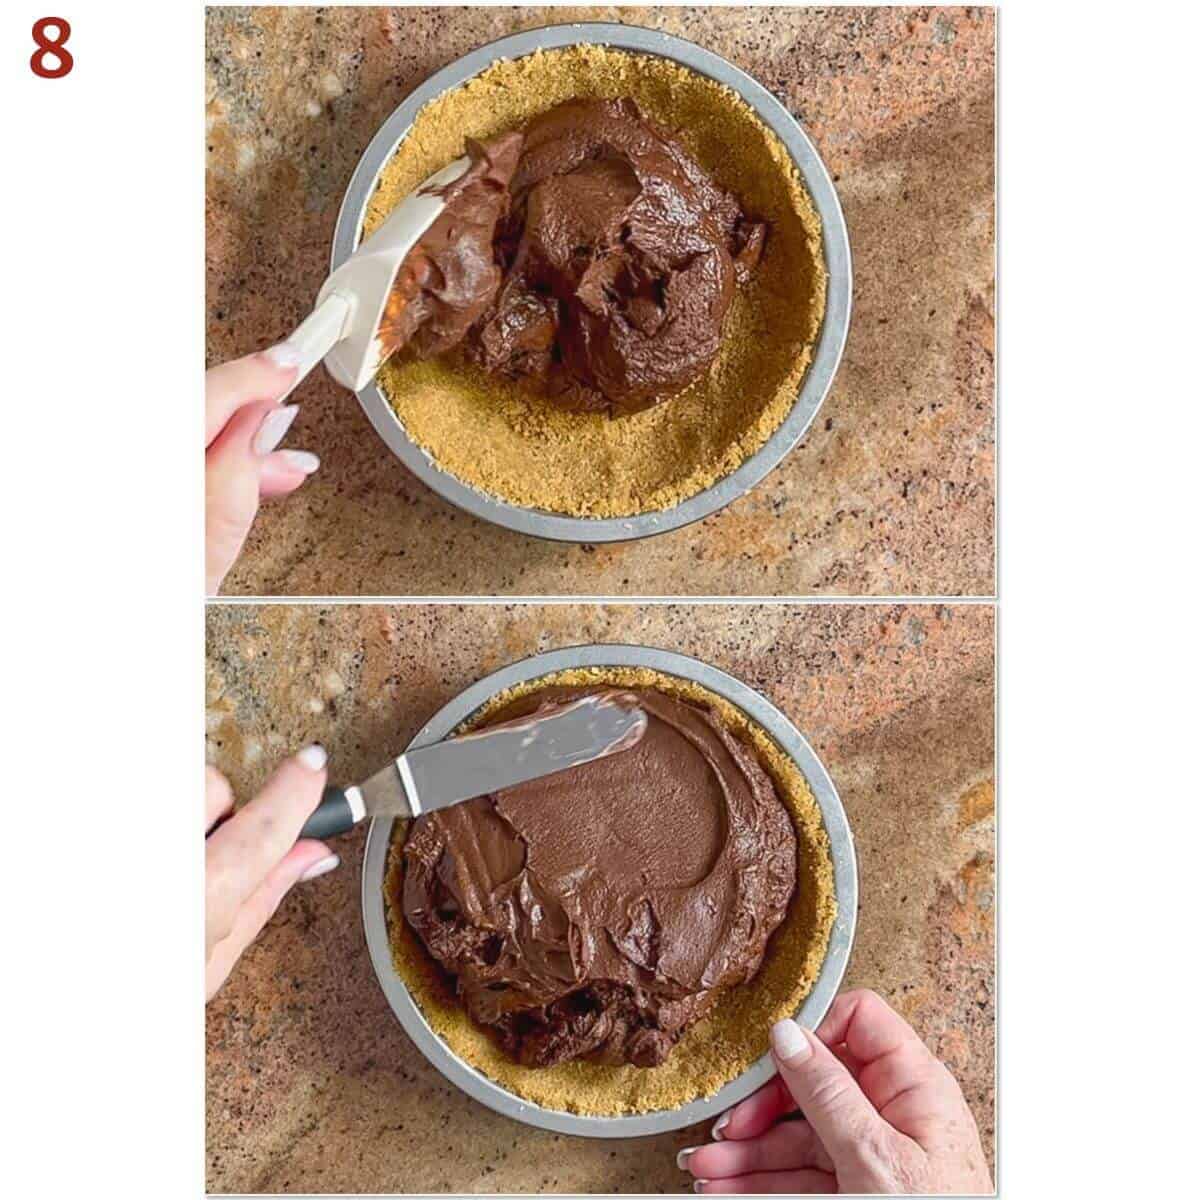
559,600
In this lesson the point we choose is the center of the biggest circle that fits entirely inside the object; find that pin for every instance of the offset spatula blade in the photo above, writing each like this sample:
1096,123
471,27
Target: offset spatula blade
477,764
518,751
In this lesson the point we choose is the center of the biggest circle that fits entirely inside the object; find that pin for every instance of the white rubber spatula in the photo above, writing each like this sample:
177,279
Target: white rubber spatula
343,325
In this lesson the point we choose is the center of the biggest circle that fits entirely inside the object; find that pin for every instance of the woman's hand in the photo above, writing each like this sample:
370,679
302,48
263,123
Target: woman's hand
253,858
880,1115
244,423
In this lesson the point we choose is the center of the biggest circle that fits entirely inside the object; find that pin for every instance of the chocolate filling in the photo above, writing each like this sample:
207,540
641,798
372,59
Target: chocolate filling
600,912
588,253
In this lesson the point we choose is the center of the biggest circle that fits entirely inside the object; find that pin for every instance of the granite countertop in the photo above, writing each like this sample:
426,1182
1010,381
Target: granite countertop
311,1083
892,492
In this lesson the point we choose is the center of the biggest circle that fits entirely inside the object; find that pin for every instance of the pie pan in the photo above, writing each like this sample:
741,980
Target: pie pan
826,352
841,849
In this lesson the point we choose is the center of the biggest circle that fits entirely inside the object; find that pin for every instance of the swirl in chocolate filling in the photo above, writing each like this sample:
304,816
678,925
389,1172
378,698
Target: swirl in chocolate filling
614,260
600,912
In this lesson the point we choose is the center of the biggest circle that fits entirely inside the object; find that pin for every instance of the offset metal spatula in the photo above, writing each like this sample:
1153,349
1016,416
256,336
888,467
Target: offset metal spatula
479,763
343,326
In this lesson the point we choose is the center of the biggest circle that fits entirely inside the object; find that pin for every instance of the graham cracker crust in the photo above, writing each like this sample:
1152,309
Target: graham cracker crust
505,440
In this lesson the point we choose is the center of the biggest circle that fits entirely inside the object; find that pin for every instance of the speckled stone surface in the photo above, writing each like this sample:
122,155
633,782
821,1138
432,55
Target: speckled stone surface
311,1083
892,491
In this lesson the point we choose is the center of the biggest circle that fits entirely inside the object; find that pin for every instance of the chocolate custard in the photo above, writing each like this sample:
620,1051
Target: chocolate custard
613,261
600,912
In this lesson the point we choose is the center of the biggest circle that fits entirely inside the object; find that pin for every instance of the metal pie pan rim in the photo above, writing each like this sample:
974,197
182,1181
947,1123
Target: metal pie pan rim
816,1004
827,351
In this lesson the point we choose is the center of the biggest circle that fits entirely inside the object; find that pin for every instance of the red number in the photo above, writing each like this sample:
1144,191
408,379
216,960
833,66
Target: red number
54,47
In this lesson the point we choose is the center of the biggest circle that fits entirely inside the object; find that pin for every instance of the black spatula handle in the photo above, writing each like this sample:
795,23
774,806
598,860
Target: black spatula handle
333,815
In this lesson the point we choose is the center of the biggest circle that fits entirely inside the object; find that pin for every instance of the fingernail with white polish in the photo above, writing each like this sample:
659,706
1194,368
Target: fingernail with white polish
313,757
321,867
274,428
283,354
699,1185
301,460
717,1134
790,1042
681,1159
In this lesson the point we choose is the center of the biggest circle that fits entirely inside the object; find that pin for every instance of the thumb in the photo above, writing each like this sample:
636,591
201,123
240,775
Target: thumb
233,466
826,1093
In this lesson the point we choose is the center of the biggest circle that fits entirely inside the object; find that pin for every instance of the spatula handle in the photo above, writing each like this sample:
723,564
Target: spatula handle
318,333
337,813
